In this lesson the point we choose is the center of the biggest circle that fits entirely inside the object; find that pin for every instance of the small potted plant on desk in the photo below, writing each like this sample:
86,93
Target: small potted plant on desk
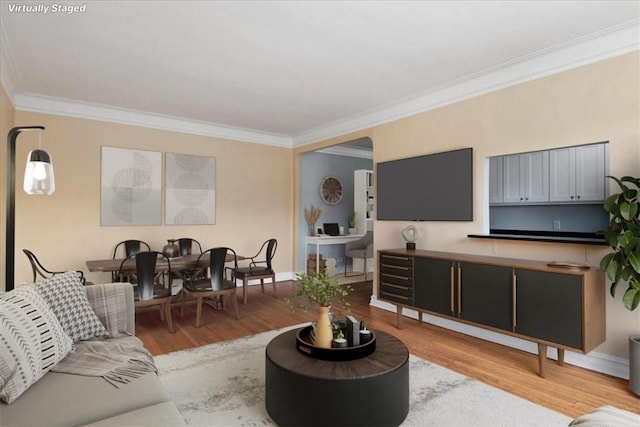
623,263
352,224
324,292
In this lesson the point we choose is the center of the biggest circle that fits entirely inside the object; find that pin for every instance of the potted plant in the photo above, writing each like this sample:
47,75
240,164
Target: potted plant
352,224
324,292
623,263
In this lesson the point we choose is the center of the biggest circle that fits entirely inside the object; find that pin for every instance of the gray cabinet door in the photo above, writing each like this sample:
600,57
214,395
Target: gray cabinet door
495,180
549,306
577,174
526,177
433,285
485,295
590,173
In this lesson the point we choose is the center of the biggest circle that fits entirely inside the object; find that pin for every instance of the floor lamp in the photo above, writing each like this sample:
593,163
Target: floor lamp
38,179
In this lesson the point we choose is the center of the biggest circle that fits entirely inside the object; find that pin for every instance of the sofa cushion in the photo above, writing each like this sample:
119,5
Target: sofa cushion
32,341
67,298
74,400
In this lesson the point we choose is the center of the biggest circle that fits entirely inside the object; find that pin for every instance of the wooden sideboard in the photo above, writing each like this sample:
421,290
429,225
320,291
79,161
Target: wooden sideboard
552,306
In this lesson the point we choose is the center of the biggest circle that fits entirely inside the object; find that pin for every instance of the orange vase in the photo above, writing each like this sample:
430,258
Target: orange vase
324,332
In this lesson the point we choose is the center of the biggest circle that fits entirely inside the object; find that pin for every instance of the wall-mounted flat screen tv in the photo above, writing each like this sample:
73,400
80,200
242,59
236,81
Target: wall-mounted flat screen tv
433,187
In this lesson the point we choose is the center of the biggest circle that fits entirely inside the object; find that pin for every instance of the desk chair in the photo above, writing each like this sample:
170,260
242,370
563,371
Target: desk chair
152,287
219,283
130,247
39,270
259,269
361,248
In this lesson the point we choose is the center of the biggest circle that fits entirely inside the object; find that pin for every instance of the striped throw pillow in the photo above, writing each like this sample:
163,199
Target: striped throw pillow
32,341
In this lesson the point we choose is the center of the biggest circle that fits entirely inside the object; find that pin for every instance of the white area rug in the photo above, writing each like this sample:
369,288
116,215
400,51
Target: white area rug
222,384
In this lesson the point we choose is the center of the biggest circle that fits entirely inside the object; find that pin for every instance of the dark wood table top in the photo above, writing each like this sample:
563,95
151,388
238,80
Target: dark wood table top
389,355
185,262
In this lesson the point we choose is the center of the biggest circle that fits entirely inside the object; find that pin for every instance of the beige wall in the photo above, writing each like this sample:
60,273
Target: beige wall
253,195
593,103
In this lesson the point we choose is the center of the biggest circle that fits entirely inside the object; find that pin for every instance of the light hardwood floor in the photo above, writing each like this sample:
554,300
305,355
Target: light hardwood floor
567,389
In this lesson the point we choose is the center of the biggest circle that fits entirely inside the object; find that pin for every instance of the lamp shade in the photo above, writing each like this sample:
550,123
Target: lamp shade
38,175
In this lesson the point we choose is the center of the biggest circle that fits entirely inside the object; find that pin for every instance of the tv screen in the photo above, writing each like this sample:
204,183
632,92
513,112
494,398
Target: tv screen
433,187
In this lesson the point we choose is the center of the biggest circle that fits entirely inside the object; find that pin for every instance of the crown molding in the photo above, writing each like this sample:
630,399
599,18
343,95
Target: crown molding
347,151
64,107
596,47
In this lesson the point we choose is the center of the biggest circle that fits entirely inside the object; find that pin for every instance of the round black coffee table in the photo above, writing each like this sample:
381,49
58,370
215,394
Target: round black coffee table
303,391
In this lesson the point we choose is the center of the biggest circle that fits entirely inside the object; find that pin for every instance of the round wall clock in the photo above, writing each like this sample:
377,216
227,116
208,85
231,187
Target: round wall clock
331,190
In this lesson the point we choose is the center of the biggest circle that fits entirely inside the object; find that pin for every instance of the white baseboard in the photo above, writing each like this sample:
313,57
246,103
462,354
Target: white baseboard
594,361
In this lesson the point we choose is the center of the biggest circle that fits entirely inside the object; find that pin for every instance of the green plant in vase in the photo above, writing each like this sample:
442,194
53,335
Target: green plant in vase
325,293
352,223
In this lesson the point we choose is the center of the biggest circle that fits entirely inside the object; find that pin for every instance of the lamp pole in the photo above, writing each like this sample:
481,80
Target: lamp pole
11,203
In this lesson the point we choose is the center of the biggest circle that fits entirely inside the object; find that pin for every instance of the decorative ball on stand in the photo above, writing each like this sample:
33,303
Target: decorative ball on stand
410,235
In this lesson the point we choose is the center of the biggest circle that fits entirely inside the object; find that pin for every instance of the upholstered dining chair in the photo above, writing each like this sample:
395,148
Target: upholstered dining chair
361,249
188,245
152,285
259,268
127,248
40,270
218,284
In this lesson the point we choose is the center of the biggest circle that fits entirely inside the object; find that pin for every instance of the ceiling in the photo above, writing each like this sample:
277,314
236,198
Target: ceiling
290,73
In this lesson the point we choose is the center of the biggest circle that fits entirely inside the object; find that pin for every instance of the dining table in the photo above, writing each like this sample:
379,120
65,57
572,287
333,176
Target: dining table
178,264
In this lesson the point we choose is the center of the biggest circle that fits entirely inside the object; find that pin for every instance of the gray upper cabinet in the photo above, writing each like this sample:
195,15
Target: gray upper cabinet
577,174
564,175
526,177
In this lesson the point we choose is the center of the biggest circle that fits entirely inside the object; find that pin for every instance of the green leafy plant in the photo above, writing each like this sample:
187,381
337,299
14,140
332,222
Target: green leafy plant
320,289
623,235
352,220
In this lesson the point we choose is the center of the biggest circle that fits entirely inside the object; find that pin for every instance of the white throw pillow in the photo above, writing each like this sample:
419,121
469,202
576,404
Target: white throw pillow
32,341
67,297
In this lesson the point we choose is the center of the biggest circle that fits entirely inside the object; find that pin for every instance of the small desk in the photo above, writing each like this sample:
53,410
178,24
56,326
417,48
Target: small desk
370,391
326,240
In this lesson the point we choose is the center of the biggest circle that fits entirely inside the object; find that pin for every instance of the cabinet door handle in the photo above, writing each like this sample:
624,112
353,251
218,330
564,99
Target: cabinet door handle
459,291
514,292
453,309
578,197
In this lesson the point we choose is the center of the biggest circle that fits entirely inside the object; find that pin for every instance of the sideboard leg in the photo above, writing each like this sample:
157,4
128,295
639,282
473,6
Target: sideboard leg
399,315
561,356
420,317
542,359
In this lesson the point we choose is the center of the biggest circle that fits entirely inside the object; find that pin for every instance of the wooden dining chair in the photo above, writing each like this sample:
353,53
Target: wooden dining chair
152,285
218,284
259,268
39,270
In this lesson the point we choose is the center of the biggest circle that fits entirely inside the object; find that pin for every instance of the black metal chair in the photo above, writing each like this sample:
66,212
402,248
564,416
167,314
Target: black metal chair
259,269
152,285
130,247
187,245
40,270
219,283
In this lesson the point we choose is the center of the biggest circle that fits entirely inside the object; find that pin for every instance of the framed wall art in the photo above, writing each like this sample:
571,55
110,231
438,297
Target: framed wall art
131,187
190,189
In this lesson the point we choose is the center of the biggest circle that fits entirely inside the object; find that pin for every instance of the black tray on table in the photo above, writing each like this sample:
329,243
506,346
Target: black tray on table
305,345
